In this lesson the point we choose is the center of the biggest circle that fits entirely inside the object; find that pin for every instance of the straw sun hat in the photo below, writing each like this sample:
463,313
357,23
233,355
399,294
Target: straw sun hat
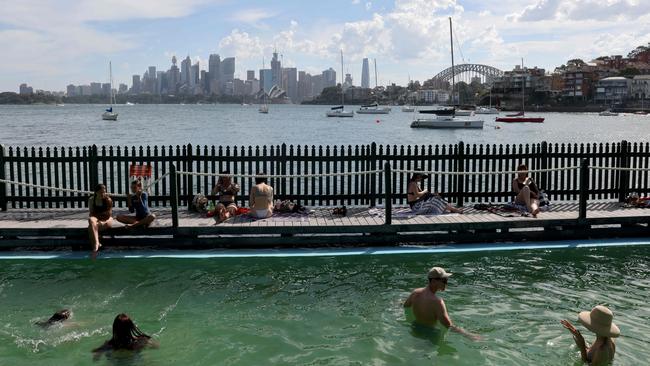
599,321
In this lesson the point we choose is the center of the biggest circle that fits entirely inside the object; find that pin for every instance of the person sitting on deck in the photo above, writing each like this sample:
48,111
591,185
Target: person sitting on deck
261,198
430,309
226,189
599,321
422,202
126,336
138,202
526,190
100,218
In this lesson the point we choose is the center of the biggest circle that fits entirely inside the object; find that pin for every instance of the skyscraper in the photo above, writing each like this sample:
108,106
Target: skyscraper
227,71
365,74
276,71
214,72
174,77
290,78
329,78
186,65
135,85
250,74
266,79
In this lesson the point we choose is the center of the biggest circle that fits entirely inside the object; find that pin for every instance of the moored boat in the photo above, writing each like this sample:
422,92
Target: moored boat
373,109
445,118
608,113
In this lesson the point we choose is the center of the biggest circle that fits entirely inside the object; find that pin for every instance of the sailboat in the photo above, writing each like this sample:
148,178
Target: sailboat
109,115
487,110
520,117
339,111
408,108
446,117
373,108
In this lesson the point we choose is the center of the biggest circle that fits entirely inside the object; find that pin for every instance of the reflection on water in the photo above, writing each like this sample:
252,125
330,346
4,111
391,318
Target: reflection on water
328,310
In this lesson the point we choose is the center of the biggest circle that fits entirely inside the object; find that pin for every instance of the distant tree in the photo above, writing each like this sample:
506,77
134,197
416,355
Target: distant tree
635,52
629,72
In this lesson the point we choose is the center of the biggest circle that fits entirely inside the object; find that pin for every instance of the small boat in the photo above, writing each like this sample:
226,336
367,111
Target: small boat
408,109
373,109
608,113
486,110
109,115
128,103
445,119
520,117
339,111
641,113
464,113
264,108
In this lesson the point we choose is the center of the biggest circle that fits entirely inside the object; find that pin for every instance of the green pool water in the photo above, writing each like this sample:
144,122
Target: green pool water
324,310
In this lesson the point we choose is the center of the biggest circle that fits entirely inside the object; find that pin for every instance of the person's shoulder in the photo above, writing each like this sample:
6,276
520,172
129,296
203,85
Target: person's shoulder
418,291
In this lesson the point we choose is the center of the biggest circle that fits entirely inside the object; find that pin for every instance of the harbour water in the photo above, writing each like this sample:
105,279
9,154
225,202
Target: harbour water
227,124
324,310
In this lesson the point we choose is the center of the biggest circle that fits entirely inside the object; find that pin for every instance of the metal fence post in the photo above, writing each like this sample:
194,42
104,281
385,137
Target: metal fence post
389,193
3,186
174,194
460,179
584,189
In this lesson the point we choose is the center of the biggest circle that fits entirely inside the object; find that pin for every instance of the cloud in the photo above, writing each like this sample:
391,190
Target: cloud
241,45
252,16
583,10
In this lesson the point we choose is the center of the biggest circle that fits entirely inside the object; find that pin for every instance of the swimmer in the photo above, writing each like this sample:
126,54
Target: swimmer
428,308
126,336
58,318
599,321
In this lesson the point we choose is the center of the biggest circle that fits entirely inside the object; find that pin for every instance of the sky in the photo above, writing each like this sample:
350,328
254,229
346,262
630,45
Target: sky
49,44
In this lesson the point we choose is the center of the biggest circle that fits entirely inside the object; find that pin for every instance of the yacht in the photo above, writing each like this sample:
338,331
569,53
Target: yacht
109,115
373,109
339,111
444,118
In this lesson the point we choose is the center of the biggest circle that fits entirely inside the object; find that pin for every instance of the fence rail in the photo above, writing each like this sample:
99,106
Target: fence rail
81,168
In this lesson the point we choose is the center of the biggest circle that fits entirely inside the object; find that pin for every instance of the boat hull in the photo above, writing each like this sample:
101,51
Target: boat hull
109,116
408,109
339,114
447,123
520,119
464,113
373,111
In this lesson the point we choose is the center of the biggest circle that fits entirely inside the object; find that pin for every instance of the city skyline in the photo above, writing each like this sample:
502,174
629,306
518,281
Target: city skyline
48,48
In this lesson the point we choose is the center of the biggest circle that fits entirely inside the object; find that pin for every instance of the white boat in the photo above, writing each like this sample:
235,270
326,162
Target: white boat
445,119
109,115
408,109
128,103
373,109
608,113
486,110
464,113
339,111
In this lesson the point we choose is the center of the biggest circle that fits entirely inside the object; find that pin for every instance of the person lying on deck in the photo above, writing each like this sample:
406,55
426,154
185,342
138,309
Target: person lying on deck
138,202
100,217
226,189
422,202
261,198
526,190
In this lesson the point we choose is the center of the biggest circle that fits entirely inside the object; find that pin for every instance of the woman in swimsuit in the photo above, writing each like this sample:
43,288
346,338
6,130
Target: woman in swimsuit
526,190
422,202
226,189
100,217
599,321
126,336
261,198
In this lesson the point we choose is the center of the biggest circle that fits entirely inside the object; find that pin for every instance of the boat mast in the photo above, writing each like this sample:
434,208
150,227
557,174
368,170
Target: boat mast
110,75
376,85
453,73
342,91
523,86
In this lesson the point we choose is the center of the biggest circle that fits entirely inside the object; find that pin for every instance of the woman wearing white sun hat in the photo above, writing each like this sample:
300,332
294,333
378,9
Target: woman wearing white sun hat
599,321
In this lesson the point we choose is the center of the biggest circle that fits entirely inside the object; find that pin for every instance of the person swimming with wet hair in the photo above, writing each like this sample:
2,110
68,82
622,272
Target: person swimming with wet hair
58,317
126,336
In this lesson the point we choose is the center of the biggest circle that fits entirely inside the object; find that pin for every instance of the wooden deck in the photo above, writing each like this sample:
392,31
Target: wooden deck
361,226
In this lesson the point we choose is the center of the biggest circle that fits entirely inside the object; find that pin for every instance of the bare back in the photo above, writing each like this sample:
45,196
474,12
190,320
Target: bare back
426,306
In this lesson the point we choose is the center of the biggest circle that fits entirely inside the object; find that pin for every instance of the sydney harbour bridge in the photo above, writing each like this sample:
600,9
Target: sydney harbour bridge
467,73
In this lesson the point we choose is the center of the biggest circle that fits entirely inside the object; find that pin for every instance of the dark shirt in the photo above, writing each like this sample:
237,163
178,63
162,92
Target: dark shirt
140,206
532,186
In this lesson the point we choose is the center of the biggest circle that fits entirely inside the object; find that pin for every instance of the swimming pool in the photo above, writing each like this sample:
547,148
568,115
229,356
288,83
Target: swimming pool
324,309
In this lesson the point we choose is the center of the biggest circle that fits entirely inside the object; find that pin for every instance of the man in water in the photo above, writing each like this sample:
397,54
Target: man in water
428,308
58,317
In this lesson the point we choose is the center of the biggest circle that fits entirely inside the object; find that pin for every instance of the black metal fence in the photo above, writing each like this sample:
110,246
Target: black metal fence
81,168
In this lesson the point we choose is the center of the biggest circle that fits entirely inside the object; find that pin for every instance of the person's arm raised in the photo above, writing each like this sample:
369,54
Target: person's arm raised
578,338
444,319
